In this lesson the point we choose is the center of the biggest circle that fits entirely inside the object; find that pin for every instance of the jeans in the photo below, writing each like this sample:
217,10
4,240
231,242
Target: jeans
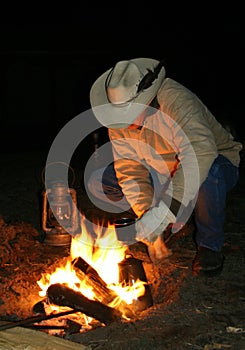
209,211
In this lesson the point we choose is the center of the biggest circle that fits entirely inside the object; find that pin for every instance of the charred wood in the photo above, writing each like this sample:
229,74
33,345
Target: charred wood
105,295
87,273
62,295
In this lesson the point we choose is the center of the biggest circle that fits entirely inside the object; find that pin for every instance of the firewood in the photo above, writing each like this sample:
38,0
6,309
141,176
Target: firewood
105,295
87,273
62,295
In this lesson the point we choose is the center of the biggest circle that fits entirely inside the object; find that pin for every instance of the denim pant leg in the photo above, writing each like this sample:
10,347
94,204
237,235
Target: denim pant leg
209,211
103,185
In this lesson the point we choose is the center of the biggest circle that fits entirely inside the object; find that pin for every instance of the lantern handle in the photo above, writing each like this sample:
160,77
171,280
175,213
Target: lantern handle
63,163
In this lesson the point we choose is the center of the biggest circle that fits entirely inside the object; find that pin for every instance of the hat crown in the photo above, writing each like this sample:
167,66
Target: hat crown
122,93
122,82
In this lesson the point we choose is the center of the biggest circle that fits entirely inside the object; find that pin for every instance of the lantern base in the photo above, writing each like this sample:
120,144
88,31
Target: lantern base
58,239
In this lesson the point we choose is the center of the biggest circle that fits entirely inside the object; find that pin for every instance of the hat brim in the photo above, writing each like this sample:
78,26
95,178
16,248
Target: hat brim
113,116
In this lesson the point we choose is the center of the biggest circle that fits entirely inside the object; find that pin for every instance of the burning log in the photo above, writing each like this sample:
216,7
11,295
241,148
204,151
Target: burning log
103,294
87,273
64,296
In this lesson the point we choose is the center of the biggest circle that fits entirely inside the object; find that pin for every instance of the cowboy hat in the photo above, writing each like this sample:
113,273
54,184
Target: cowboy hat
121,94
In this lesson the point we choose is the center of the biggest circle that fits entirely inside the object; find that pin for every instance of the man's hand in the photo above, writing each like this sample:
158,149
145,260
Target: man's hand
149,229
153,222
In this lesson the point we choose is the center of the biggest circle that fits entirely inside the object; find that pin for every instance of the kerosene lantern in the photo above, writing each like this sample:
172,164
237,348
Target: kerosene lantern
60,215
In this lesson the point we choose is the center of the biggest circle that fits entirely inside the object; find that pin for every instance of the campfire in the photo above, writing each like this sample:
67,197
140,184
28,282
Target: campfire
99,281
94,289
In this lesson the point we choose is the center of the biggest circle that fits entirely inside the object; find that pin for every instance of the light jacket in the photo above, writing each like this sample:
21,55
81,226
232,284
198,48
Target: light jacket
180,142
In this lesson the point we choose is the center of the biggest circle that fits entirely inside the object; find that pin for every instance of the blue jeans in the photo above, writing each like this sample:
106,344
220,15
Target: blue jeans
209,211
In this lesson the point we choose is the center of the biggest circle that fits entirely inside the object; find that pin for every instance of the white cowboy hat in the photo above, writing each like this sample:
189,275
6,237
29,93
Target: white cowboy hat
121,94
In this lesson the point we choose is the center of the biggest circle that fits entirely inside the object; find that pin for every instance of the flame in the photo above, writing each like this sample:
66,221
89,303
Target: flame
103,252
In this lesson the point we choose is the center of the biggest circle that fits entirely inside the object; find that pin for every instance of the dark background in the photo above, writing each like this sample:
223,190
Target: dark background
50,57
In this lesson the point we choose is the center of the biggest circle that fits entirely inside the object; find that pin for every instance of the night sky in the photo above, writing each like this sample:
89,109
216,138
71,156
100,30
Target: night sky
51,56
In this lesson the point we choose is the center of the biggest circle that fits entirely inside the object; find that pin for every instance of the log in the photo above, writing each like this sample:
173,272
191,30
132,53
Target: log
62,295
87,273
105,295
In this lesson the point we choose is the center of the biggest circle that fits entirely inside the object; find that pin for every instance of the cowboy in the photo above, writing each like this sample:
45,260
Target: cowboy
172,160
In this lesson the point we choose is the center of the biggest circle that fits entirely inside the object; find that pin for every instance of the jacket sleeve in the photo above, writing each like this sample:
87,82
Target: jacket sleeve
132,173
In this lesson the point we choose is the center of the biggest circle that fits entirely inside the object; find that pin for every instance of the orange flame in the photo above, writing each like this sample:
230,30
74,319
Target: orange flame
103,253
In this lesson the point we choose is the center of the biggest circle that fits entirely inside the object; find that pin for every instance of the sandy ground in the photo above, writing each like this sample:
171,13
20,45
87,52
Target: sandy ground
188,312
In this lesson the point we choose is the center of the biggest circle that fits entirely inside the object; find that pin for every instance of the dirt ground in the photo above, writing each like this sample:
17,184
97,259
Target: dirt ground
188,312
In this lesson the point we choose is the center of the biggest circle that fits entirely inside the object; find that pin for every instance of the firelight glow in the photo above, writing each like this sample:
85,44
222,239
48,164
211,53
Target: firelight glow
102,253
